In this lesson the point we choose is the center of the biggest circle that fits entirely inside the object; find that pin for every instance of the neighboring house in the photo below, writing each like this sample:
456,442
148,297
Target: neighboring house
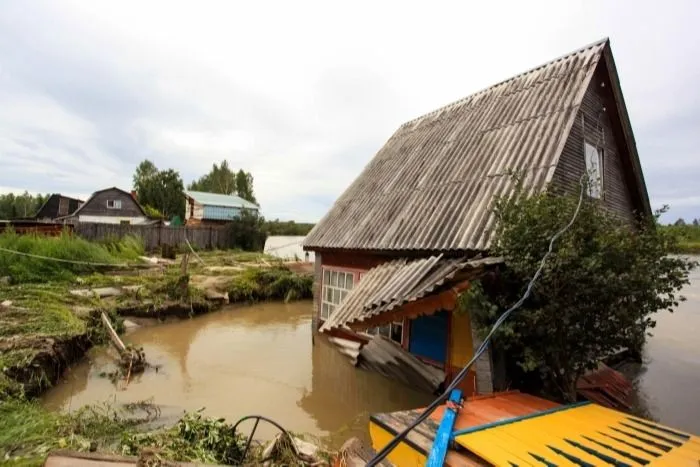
214,208
407,236
110,206
57,206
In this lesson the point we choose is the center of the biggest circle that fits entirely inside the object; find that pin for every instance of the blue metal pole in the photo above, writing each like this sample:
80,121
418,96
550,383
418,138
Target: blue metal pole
441,444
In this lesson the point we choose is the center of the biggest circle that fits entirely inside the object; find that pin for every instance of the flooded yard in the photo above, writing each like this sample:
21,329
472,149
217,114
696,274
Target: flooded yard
240,361
260,360
669,380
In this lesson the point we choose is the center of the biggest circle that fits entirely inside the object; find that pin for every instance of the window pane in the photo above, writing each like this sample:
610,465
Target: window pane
396,332
331,309
336,296
329,294
348,281
324,311
326,277
334,278
593,165
342,296
341,280
384,330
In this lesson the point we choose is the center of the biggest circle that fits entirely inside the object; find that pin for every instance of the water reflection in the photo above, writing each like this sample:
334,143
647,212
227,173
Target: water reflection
241,361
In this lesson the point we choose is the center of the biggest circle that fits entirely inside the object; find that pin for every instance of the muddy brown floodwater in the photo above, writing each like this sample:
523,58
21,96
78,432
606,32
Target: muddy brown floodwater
668,382
260,360
240,361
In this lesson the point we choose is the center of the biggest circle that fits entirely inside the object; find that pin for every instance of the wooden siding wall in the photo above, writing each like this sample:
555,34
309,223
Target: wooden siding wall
595,126
97,206
154,236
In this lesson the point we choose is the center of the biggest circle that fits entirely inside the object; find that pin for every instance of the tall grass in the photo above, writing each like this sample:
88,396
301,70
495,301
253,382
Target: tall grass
20,268
278,283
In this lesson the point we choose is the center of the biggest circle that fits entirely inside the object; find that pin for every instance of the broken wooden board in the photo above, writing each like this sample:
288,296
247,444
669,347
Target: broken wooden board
391,360
94,459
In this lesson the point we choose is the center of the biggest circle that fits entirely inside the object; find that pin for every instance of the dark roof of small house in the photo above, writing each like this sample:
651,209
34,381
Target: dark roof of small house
432,186
86,203
73,201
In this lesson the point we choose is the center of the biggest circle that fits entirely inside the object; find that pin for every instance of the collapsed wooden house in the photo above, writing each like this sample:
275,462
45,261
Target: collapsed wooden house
415,227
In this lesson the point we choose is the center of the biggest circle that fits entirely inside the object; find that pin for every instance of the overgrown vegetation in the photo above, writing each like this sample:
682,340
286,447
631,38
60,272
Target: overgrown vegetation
247,232
22,268
28,432
597,294
687,236
278,283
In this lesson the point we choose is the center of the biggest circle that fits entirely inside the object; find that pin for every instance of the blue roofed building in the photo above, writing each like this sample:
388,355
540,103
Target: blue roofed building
215,208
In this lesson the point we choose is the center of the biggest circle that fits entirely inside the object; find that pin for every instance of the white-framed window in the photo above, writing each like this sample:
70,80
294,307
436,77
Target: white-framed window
336,285
393,331
594,168
114,204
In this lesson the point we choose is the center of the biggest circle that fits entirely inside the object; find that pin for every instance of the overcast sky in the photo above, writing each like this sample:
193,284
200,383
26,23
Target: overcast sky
303,94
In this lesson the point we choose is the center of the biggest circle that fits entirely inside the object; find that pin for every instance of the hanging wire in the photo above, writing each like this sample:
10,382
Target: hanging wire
484,345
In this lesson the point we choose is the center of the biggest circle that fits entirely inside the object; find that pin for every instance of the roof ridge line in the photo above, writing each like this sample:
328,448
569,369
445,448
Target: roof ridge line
483,90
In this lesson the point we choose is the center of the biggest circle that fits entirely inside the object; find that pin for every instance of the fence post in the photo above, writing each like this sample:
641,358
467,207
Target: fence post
211,245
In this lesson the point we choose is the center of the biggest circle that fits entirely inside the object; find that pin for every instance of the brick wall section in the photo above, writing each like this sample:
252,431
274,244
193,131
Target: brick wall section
483,367
316,306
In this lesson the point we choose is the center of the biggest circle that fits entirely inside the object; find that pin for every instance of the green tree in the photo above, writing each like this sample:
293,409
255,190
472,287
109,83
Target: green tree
160,190
247,232
597,293
221,179
244,186
20,206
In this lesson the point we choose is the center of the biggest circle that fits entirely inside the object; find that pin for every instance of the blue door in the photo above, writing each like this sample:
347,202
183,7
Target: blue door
428,336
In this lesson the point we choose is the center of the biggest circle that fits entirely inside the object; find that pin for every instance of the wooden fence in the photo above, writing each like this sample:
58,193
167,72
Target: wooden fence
154,236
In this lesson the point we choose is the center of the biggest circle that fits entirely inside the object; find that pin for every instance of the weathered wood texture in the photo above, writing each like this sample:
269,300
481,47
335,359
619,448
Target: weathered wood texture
154,236
593,124
391,360
57,206
97,204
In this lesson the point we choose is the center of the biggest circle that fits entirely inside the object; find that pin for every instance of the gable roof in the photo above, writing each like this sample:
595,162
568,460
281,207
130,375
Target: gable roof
216,199
86,203
432,186
59,196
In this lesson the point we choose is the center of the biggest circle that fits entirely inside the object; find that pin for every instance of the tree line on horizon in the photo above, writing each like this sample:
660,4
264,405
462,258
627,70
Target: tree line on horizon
161,193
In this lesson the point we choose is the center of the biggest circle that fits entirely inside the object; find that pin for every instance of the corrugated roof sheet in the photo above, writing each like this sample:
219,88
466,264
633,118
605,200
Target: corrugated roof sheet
580,435
395,283
432,185
216,199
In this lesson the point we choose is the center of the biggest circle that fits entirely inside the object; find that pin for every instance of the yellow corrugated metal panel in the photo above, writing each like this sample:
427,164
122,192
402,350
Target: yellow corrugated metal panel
583,435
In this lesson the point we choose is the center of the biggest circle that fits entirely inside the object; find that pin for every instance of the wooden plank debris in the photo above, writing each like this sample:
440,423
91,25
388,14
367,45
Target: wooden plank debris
391,360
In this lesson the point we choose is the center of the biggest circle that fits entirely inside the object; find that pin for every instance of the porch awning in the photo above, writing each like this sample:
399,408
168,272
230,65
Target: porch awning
389,286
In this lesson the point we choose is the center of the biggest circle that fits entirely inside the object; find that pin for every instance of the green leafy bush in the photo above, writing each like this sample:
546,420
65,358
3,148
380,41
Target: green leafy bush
597,293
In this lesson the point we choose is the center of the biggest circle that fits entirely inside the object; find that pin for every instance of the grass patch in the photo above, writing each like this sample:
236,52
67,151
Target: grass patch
276,283
20,268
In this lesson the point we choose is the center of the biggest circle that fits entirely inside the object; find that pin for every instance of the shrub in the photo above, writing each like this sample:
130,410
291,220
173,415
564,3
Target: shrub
278,283
597,293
